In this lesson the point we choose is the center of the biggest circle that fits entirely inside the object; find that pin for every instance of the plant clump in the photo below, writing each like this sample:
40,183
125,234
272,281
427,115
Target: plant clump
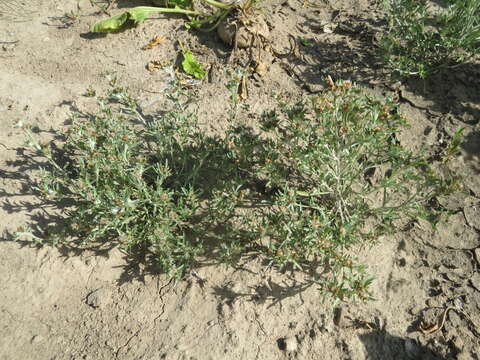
304,189
422,39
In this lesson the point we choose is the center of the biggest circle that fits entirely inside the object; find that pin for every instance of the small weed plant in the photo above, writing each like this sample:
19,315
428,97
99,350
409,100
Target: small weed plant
304,188
422,39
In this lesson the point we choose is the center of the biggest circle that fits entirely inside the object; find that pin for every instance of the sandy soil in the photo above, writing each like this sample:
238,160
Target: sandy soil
56,304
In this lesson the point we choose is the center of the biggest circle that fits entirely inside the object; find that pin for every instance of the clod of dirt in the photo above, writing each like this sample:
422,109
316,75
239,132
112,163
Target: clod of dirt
464,355
36,339
338,316
454,201
247,31
477,255
290,344
475,280
96,298
329,28
261,68
453,233
471,213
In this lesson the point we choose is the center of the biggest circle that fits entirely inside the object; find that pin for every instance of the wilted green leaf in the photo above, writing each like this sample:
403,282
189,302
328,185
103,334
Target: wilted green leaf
134,17
191,66
140,14
112,24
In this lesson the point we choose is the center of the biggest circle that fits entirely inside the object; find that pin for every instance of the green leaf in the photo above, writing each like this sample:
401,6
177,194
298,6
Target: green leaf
134,17
182,4
194,24
109,25
191,66
139,14
306,42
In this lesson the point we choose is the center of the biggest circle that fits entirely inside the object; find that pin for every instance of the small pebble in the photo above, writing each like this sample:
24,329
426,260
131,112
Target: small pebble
315,88
36,339
96,298
291,344
432,302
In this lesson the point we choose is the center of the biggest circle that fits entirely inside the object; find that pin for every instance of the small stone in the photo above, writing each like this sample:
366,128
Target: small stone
432,302
261,68
329,28
291,344
36,339
96,298
315,88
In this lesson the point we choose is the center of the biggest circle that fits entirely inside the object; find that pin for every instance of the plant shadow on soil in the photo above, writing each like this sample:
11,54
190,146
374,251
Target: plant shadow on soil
349,53
268,290
471,146
455,91
382,345
122,4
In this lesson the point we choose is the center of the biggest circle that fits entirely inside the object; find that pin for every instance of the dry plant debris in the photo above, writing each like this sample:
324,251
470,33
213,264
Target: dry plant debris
157,40
439,324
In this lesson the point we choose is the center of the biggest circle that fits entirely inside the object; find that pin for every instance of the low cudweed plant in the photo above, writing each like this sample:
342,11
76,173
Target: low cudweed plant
304,189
